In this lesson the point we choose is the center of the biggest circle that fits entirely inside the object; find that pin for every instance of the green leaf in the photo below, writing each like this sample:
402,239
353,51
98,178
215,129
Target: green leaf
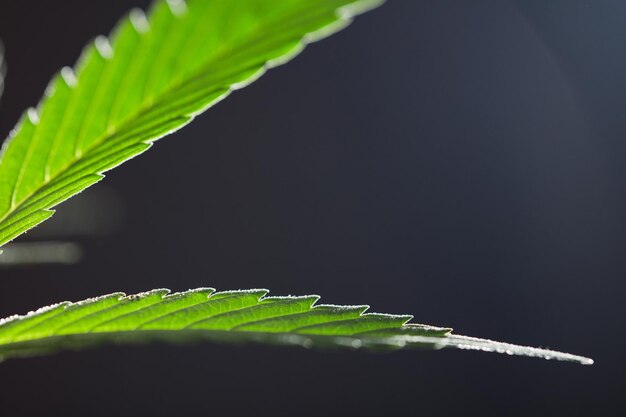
153,76
230,317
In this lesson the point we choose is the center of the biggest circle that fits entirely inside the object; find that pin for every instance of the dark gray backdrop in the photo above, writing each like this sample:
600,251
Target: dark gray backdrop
461,161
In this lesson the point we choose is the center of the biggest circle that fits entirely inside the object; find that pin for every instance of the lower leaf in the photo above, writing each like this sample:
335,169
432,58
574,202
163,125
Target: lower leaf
231,317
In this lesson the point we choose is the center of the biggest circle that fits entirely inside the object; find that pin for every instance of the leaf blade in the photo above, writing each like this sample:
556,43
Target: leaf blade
153,77
231,317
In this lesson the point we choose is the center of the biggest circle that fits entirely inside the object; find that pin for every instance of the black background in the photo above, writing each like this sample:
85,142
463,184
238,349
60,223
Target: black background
460,161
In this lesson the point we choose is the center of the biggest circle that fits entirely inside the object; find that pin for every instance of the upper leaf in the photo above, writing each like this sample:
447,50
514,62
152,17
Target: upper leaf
230,316
153,76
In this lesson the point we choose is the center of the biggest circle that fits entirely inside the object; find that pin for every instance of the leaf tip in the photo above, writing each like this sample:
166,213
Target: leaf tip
139,21
103,46
177,7
33,115
586,361
358,7
68,76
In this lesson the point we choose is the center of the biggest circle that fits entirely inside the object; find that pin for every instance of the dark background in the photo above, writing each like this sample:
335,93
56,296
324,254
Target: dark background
460,161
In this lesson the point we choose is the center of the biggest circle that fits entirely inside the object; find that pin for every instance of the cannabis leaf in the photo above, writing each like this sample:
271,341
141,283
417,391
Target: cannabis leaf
152,78
230,316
